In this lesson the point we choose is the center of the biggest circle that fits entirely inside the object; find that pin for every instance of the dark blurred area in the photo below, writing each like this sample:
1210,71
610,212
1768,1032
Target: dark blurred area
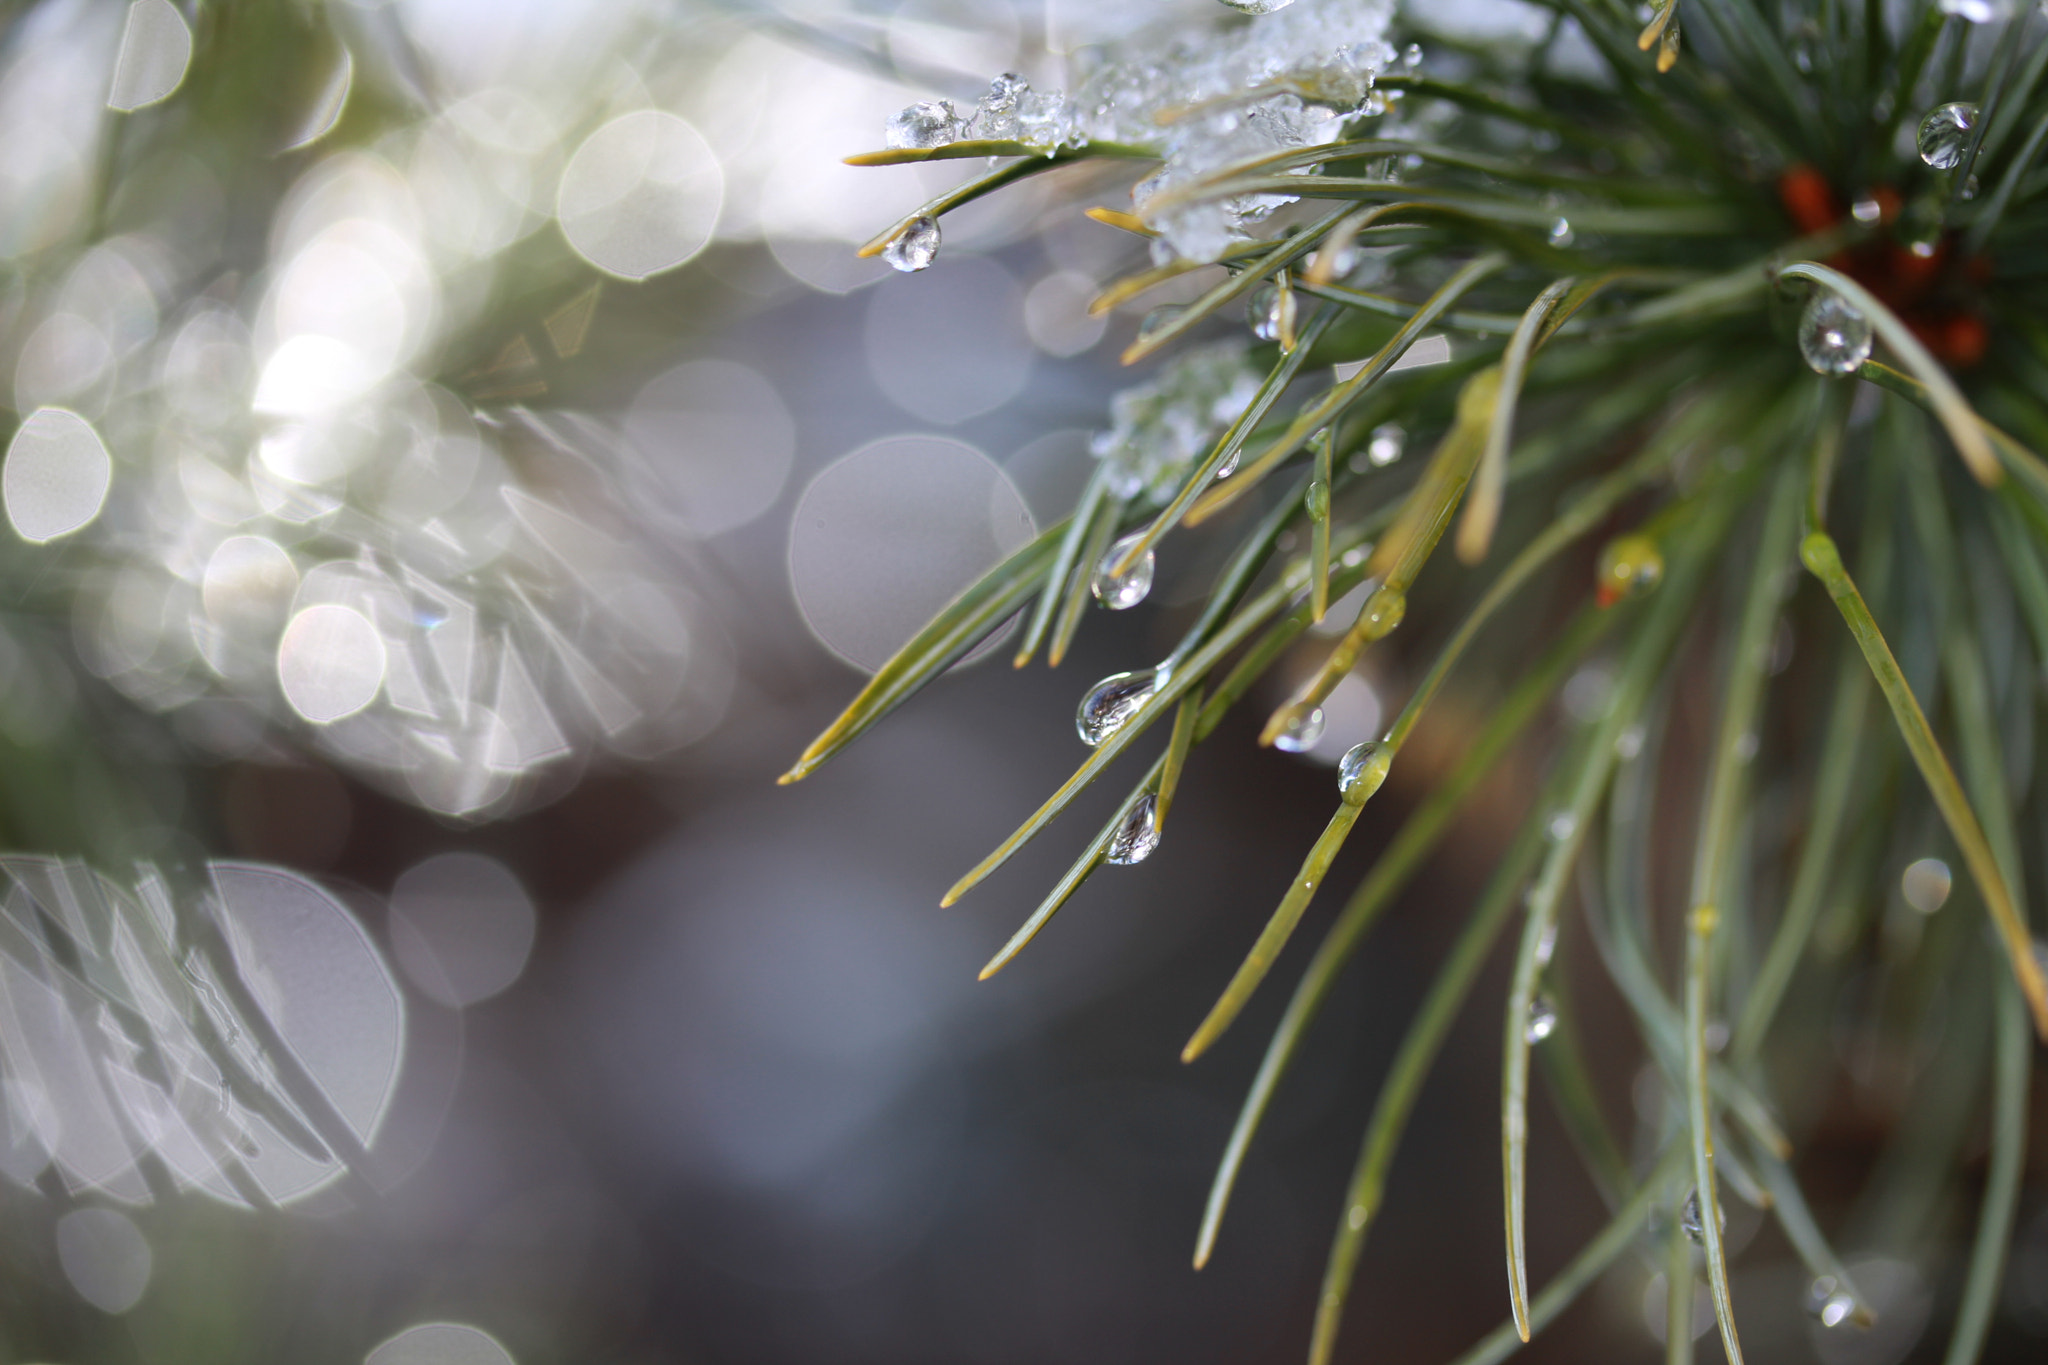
459,462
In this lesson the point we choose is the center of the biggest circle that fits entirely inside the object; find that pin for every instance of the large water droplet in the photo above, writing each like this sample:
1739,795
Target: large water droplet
1303,728
1315,500
914,248
1229,465
1361,771
1121,591
1561,232
1542,1019
1385,446
1834,336
1111,702
1138,835
1944,133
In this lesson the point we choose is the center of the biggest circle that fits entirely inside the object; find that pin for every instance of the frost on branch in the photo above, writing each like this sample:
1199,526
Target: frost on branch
1161,427
1204,101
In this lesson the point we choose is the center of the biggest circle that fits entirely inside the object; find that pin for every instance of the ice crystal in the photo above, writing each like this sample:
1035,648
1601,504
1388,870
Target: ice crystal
1161,427
1204,100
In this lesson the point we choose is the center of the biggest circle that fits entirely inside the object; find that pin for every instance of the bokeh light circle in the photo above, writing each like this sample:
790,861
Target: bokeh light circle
56,476
948,345
330,662
641,195
718,436
888,534
440,1343
461,927
105,1256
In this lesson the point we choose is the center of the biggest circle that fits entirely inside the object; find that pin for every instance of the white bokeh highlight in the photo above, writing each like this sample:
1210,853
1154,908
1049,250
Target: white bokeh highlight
641,195
105,1257
440,1343
888,534
156,49
949,345
56,476
330,662
462,927
719,438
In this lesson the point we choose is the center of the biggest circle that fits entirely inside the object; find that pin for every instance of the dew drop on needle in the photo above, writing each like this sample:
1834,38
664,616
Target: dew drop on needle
1120,591
1834,336
1137,835
1303,728
1111,702
1944,133
914,248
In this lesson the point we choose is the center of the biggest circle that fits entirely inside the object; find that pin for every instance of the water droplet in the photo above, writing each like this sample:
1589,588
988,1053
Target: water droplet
1263,312
1561,232
1375,104
1542,1019
1833,336
928,123
1111,702
1944,133
1629,565
1866,210
1229,465
1361,770
1925,884
1385,446
1383,611
1159,318
914,248
1412,57
1356,1217
1546,942
1120,592
1691,1223
1969,189
1969,11
1829,1302
1303,728
1137,835
1562,825
1924,247
1746,746
1316,500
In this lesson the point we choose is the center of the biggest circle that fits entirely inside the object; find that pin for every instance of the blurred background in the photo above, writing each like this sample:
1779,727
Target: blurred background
457,460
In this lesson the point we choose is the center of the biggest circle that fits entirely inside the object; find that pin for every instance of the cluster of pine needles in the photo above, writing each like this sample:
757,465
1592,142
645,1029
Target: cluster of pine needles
1662,288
